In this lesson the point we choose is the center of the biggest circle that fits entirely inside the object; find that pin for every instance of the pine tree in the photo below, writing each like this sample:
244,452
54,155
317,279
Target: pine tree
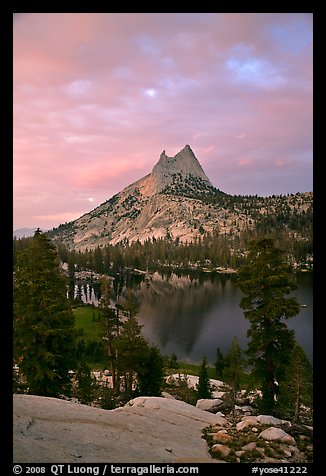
130,304
203,386
219,363
264,279
130,347
86,384
296,389
71,288
173,361
98,260
112,325
108,401
234,363
44,331
150,375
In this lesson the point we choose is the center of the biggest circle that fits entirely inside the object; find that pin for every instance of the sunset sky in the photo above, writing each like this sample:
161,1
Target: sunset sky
98,96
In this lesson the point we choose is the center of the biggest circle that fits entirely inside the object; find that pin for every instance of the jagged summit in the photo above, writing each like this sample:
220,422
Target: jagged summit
169,201
179,174
184,164
175,201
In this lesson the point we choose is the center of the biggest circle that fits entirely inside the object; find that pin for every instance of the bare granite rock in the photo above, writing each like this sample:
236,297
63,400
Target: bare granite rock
273,433
146,430
208,404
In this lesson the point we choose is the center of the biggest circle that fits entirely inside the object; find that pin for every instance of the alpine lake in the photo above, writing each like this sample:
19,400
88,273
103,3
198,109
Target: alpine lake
191,314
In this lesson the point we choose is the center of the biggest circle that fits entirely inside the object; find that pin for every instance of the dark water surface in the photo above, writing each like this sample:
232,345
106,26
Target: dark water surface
192,316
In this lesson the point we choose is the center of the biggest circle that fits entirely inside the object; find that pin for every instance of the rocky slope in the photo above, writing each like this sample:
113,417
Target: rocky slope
151,430
249,438
154,206
176,200
183,171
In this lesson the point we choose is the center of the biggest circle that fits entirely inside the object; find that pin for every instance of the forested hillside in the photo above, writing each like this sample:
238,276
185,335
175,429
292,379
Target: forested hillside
288,219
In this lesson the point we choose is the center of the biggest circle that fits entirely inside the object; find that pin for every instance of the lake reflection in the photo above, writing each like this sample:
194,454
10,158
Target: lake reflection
193,315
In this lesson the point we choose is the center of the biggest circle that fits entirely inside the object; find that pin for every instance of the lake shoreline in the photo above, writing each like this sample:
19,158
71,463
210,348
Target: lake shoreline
191,314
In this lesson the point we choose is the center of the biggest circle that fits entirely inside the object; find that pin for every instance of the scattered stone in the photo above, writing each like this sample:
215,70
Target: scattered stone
221,449
239,453
254,429
245,422
272,460
208,404
269,420
221,421
273,433
244,408
218,394
222,437
249,446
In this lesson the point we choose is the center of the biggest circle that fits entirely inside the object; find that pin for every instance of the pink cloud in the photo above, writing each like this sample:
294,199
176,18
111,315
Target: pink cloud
245,163
207,150
283,163
60,217
86,125
101,174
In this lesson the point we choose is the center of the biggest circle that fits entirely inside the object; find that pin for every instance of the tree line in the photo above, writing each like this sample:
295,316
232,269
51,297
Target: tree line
50,353
212,250
288,219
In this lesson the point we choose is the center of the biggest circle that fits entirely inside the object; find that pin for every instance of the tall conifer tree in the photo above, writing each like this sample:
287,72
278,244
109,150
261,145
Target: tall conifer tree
150,375
131,348
203,386
264,279
296,390
44,331
234,363
219,363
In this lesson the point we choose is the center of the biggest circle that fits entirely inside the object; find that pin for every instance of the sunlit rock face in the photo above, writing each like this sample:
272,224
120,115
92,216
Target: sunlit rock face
146,430
175,201
166,202
179,171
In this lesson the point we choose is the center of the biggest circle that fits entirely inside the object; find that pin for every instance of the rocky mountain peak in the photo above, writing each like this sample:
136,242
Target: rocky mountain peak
178,172
175,200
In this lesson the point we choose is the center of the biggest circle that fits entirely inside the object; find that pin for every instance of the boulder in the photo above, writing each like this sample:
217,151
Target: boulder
223,450
249,446
273,433
222,437
218,394
221,421
269,420
244,408
208,404
246,421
